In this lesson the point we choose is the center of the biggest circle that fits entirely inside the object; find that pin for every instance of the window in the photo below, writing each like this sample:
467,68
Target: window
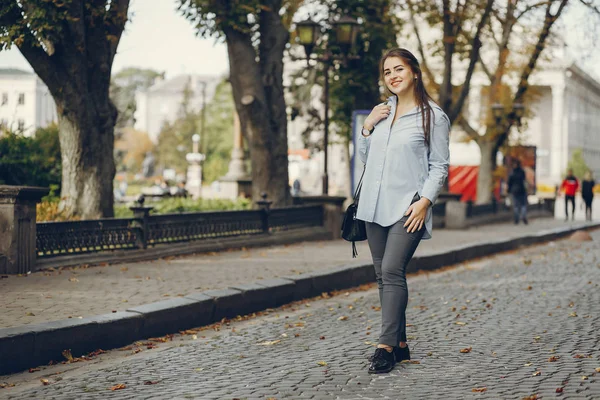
4,98
21,99
21,125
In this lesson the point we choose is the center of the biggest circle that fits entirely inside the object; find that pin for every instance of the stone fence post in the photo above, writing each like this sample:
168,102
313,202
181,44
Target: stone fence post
332,211
18,227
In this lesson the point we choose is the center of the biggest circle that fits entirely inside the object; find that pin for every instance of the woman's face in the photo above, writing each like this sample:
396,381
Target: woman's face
398,77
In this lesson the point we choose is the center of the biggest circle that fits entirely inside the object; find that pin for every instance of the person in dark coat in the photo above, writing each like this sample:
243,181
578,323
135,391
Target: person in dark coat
518,191
587,193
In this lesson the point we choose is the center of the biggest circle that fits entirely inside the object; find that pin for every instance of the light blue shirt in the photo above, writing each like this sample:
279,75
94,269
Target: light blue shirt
399,164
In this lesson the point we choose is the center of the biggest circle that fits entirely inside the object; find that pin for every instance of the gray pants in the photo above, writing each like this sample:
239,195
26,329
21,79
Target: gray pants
392,248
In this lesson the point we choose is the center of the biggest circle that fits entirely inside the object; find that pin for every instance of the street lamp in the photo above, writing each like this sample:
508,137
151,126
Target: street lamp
308,32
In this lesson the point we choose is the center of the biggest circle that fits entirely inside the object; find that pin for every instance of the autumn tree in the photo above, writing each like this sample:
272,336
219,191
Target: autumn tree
515,33
71,44
256,34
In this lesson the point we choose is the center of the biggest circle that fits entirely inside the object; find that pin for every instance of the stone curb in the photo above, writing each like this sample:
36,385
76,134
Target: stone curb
28,346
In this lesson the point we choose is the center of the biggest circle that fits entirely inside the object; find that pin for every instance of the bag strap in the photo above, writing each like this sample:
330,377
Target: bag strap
358,187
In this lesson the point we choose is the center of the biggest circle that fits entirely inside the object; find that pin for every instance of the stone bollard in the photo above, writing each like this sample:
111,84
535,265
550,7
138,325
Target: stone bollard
456,215
140,221
18,227
265,205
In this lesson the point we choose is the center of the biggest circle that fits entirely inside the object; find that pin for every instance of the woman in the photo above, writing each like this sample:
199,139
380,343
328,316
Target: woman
404,145
587,192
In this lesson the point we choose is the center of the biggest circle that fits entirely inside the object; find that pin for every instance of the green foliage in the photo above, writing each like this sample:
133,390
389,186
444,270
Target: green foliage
216,142
179,205
123,86
33,161
577,163
353,84
43,22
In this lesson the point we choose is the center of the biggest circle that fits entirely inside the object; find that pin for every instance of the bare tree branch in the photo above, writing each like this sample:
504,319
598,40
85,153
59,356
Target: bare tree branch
469,130
424,63
591,6
533,7
476,46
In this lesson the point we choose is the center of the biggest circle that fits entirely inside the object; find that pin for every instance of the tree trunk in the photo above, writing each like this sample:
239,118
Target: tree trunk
258,95
88,167
486,169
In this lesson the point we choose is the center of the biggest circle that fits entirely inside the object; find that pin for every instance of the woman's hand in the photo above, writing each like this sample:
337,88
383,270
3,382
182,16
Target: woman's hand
377,114
416,215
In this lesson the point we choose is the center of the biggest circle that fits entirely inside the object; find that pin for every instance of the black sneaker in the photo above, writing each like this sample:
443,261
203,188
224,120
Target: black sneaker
383,362
401,353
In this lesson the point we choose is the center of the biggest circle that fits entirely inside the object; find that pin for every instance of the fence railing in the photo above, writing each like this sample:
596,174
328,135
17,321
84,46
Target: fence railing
143,230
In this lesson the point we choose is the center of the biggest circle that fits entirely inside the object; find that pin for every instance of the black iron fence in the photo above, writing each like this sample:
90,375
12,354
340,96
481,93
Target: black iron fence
143,230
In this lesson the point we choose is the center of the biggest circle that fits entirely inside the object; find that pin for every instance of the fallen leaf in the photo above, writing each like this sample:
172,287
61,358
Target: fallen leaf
528,365
573,314
553,359
322,363
376,308
342,318
118,386
597,369
529,287
559,390
582,356
269,342
584,378
31,370
322,338
73,280
460,323
532,397
5,385
45,382
466,350
151,382
537,373
479,390
67,354
30,314
296,335
124,269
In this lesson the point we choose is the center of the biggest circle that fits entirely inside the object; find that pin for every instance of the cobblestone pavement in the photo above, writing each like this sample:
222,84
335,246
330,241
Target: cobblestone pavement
81,292
509,326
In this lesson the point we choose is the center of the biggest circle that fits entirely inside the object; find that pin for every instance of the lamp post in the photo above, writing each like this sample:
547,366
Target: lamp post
345,30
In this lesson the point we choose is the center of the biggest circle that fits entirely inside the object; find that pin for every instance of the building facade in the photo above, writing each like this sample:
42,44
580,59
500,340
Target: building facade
563,118
162,102
25,102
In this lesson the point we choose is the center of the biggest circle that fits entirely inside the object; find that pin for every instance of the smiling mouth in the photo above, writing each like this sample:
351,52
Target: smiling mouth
394,84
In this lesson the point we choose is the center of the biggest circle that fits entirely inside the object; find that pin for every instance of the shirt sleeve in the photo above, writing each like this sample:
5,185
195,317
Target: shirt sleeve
438,158
364,143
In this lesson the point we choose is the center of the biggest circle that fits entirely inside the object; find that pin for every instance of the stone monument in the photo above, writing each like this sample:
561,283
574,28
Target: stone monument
236,182
194,172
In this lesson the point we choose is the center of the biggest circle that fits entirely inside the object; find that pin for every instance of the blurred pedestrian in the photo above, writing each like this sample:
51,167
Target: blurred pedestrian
517,187
587,193
569,186
404,144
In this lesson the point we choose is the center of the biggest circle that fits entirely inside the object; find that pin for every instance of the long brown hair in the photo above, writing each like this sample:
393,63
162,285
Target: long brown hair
421,96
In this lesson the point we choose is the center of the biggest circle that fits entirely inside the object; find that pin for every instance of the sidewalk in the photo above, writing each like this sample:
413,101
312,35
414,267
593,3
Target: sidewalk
82,292
520,325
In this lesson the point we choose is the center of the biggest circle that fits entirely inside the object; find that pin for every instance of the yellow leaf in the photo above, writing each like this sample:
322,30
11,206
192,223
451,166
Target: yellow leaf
343,318
118,386
537,373
466,350
460,323
479,390
45,382
67,354
597,369
322,363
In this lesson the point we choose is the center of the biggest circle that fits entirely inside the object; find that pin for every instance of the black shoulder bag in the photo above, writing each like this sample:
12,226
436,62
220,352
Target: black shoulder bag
354,230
